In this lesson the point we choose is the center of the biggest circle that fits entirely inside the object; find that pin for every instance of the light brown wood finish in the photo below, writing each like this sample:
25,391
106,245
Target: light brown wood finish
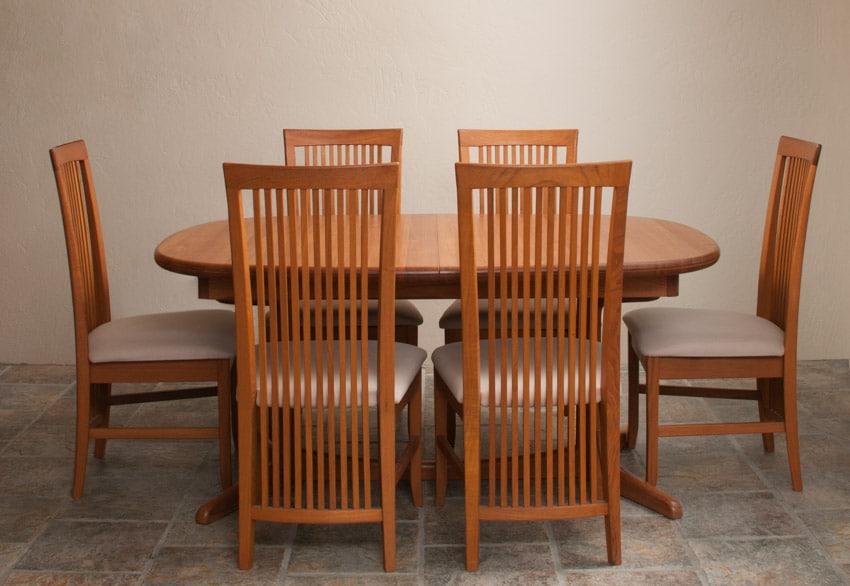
328,147
657,253
778,301
92,310
302,237
508,147
518,147
540,412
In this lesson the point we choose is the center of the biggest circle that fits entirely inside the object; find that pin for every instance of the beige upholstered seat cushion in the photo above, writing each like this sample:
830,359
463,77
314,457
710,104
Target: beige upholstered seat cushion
681,332
183,335
406,313
448,362
451,317
408,363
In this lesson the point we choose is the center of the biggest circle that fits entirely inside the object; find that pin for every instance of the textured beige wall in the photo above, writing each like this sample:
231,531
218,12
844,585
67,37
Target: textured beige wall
164,91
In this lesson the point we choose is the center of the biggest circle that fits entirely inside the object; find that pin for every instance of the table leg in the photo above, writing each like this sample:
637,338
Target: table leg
643,493
219,506
638,490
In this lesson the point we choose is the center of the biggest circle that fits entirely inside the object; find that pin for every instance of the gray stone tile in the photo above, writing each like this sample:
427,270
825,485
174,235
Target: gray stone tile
749,514
355,548
528,563
33,578
93,546
663,577
38,373
765,561
213,566
832,529
22,517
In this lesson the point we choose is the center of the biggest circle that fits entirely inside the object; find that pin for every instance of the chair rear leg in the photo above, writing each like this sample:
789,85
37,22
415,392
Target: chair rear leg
82,437
652,392
633,384
225,392
792,440
441,416
414,430
100,395
768,402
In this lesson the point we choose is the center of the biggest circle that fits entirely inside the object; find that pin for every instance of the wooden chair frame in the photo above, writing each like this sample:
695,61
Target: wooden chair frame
778,301
293,467
557,453
91,304
370,146
510,147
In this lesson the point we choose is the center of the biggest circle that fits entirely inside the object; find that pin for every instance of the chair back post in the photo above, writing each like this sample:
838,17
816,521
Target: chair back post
84,241
784,236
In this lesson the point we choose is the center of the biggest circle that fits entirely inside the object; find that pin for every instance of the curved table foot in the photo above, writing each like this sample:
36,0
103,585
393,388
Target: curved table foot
219,506
638,490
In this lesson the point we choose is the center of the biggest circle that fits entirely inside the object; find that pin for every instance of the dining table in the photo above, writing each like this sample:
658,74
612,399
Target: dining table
657,252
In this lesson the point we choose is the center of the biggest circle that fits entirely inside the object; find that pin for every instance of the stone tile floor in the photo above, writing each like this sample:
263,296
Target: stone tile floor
135,524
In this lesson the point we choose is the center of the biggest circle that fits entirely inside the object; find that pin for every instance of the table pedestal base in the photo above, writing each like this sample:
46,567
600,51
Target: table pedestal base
219,506
631,487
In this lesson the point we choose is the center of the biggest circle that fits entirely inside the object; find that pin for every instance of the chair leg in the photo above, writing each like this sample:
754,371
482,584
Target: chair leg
414,430
249,479
388,522
767,404
472,493
610,472
81,450
99,397
792,442
633,383
652,392
441,415
386,441
225,391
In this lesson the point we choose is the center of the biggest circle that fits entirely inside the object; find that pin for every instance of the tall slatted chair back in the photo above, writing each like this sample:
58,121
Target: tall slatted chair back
694,343
176,347
541,411
508,147
84,240
784,238
317,406
369,146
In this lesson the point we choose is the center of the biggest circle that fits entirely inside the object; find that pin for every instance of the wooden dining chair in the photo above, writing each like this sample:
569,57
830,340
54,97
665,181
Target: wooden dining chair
681,343
324,147
177,347
309,452
540,412
507,147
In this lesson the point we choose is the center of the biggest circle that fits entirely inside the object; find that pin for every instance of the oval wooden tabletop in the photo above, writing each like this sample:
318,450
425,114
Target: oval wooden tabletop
656,252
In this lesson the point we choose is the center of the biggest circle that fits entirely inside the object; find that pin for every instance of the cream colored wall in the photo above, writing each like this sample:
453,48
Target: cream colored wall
164,91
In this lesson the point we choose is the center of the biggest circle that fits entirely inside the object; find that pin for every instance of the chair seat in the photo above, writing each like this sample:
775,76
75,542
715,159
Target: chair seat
184,335
406,313
683,332
448,361
408,362
451,318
